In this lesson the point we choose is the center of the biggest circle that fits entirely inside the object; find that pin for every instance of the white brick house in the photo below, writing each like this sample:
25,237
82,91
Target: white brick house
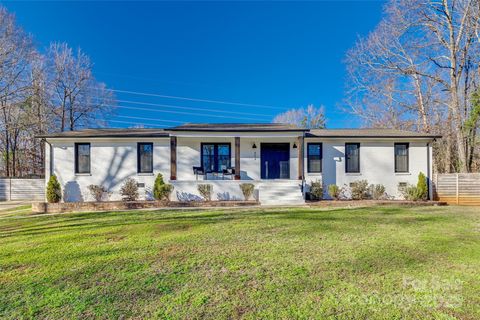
281,160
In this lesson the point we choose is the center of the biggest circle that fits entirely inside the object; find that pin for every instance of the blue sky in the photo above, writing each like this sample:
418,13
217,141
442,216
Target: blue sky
281,55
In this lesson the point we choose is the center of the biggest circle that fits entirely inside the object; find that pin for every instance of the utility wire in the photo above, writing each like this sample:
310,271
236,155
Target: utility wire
180,112
192,108
194,99
149,119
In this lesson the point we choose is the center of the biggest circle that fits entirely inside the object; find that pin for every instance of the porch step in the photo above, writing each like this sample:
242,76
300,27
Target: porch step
283,192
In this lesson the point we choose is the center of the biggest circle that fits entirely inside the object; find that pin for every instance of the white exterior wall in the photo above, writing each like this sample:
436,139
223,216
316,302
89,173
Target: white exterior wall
114,160
376,163
111,162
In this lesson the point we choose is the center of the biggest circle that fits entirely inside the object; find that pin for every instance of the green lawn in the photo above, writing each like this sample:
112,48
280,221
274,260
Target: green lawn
382,262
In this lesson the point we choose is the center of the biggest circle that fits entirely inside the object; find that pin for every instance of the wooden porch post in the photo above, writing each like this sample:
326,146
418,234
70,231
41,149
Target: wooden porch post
237,158
300,157
173,158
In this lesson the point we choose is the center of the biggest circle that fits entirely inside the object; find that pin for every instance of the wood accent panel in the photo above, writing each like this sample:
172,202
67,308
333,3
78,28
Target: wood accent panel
457,188
173,158
301,152
237,158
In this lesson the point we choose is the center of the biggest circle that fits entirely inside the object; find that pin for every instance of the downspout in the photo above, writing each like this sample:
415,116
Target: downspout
50,158
429,178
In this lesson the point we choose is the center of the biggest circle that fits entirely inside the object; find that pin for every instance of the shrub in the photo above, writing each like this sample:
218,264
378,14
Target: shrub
247,190
377,191
422,187
410,192
205,191
161,190
54,192
334,191
316,190
418,192
97,192
360,190
129,190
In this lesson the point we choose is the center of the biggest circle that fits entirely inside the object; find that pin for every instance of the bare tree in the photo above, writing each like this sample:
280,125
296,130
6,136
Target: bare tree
309,117
421,65
16,50
78,99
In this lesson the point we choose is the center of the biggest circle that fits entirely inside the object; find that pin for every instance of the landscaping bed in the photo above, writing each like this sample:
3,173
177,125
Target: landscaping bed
45,207
370,203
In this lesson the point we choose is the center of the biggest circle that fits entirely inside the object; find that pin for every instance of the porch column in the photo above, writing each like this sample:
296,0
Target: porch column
237,158
300,157
173,158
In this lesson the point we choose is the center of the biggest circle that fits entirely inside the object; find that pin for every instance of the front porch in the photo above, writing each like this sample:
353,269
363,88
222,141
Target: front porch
267,192
194,158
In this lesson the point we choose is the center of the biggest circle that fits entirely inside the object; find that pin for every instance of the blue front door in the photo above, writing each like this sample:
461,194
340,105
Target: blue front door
275,160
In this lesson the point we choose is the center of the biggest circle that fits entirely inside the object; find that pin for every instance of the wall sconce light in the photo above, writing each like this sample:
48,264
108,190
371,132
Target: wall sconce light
294,145
254,147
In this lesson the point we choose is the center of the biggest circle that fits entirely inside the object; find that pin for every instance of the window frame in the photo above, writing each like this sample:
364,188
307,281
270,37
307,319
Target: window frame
139,167
346,157
77,144
407,144
309,170
215,155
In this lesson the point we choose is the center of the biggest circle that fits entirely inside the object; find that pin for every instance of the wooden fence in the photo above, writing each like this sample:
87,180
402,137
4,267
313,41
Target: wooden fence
22,189
457,188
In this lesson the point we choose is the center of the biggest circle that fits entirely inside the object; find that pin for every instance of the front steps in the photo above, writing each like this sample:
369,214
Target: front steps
281,192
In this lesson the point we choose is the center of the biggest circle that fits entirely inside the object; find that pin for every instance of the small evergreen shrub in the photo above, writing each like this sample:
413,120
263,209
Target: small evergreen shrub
316,190
205,191
334,191
129,190
418,192
97,192
377,191
247,190
422,187
360,190
161,190
54,192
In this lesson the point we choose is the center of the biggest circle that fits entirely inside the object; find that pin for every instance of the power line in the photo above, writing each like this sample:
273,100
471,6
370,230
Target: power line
192,108
180,112
148,119
195,99
137,123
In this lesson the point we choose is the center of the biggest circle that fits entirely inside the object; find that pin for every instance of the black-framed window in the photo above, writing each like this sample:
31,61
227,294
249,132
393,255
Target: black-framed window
145,157
401,157
215,156
314,157
82,157
352,157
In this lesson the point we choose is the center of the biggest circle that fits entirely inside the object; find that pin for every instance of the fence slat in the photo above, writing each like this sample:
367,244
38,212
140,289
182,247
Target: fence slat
22,189
458,188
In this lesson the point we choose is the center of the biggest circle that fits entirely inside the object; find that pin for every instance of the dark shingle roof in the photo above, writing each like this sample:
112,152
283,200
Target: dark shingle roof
108,133
237,127
368,133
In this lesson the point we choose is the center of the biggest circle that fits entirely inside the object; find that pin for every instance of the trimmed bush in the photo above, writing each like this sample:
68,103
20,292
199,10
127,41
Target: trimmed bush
205,191
334,191
360,190
316,190
247,190
97,192
129,190
422,187
161,190
377,191
54,191
418,192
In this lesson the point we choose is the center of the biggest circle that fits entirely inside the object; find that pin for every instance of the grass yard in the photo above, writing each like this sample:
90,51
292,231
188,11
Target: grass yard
375,263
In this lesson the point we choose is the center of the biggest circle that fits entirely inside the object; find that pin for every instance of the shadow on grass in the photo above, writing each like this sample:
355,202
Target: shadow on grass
197,218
